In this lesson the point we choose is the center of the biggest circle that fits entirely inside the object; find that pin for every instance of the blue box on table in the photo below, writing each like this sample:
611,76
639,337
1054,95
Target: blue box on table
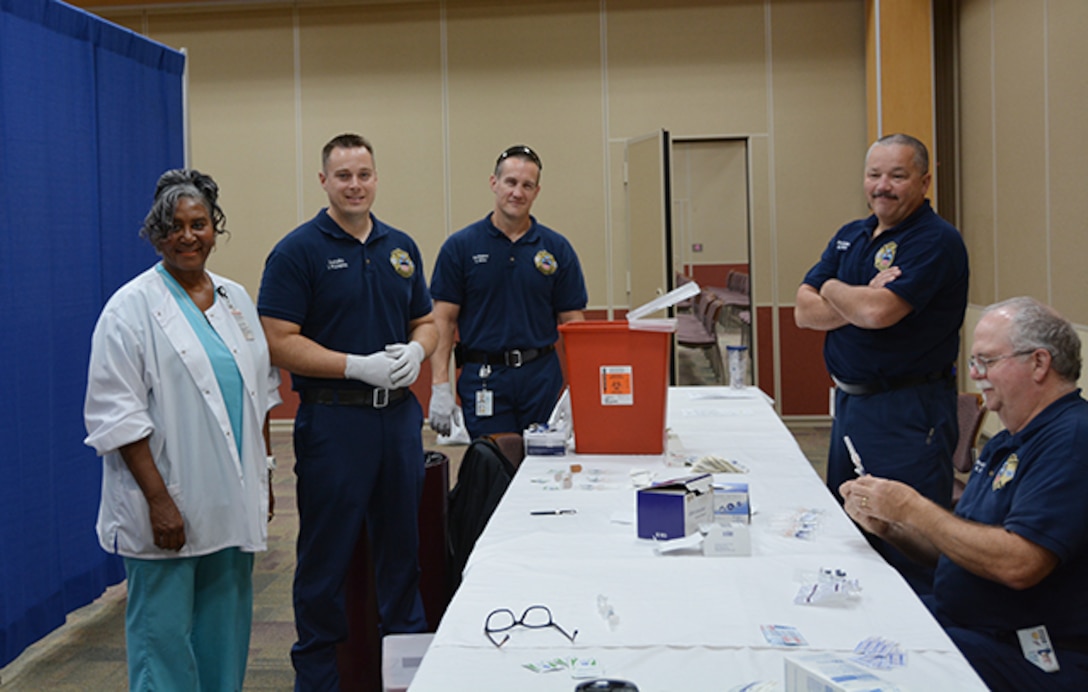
675,508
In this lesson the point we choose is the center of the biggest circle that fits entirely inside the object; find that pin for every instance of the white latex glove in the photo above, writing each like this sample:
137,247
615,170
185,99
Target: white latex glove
407,360
375,369
441,408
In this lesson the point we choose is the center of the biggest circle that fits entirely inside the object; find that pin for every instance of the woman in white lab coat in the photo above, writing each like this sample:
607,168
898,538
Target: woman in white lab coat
178,393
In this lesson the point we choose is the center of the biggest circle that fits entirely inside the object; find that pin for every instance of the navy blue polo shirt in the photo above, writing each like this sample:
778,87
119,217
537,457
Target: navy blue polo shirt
1035,484
346,295
931,253
509,294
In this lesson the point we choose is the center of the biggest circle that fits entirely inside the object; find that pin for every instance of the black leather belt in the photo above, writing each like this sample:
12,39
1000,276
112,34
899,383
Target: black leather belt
893,383
374,397
514,358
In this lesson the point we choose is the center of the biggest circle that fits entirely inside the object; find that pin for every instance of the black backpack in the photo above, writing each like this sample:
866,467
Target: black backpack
483,477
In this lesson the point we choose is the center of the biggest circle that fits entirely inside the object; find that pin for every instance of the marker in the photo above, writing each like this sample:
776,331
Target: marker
854,456
547,512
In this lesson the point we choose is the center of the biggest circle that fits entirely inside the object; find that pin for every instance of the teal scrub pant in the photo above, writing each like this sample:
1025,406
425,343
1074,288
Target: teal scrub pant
188,620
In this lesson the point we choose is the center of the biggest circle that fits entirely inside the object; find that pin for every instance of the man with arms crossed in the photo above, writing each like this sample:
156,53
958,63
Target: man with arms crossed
890,291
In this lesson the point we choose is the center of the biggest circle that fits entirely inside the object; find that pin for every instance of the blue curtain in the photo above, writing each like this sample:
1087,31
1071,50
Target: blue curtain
90,115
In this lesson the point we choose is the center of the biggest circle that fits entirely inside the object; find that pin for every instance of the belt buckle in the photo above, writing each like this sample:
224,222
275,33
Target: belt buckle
379,397
513,358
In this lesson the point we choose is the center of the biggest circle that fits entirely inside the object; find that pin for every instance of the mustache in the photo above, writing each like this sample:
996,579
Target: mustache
887,195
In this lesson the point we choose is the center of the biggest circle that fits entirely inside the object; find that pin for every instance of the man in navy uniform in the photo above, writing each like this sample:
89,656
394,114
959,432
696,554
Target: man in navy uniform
345,306
1012,562
504,282
890,290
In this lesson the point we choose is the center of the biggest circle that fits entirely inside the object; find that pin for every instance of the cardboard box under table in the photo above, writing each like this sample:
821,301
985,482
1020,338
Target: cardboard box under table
676,508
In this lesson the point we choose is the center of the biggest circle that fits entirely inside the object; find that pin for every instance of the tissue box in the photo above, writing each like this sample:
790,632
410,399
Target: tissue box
545,442
829,673
731,503
727,540
676,508
401,656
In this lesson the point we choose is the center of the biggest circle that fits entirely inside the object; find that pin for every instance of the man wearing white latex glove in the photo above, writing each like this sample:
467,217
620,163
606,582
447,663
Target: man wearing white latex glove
338,286
407,360
502,285
375,369
441,413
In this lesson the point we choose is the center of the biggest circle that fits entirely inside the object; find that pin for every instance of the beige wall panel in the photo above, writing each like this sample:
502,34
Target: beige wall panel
242,125
1068,104
530,73
819,130
133,21
617,203
977,205
377,71
763,246
693,67
1019,100
710,201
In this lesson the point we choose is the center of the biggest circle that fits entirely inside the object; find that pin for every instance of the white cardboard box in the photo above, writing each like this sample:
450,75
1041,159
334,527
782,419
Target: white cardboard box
401,656
545,442
731,503
826,672
727,540
675,508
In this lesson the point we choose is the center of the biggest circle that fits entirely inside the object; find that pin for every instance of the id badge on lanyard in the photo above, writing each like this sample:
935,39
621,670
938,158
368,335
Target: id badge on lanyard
1037,648
485,398
236,314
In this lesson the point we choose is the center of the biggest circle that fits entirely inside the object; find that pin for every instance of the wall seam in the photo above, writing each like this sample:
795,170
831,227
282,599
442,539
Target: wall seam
772,221
878,69
443,34
993,146
1046,154
296,38
609,264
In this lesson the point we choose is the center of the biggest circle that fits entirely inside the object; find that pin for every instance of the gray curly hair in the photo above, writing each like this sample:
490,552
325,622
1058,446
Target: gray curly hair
174,185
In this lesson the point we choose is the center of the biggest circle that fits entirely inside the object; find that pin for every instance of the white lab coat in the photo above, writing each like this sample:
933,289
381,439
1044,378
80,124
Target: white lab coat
149,375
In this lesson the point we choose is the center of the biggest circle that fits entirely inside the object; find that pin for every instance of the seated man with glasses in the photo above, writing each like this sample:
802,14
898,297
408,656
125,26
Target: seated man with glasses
504,282
1012,562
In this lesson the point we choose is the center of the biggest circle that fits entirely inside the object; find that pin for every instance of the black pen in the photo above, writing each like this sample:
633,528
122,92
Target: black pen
543,512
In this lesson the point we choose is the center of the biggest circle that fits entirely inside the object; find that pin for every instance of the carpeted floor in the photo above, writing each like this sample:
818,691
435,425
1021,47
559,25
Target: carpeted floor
88,652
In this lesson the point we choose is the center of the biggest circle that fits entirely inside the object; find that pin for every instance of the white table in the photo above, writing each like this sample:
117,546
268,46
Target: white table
686,622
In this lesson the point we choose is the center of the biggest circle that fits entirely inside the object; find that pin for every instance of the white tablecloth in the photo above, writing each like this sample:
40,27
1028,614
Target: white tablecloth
686,622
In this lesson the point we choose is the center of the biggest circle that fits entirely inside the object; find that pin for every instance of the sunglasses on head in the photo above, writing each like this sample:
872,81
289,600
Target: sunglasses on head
520,150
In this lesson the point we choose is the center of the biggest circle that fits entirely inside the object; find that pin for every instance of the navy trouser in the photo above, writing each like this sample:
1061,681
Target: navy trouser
355,465
522,396
1002,666
907,435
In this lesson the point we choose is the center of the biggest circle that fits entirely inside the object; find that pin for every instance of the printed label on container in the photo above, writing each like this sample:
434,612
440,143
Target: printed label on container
617,385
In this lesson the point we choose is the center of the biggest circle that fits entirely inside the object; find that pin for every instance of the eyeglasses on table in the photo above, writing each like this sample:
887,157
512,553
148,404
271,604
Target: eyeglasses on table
535,617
